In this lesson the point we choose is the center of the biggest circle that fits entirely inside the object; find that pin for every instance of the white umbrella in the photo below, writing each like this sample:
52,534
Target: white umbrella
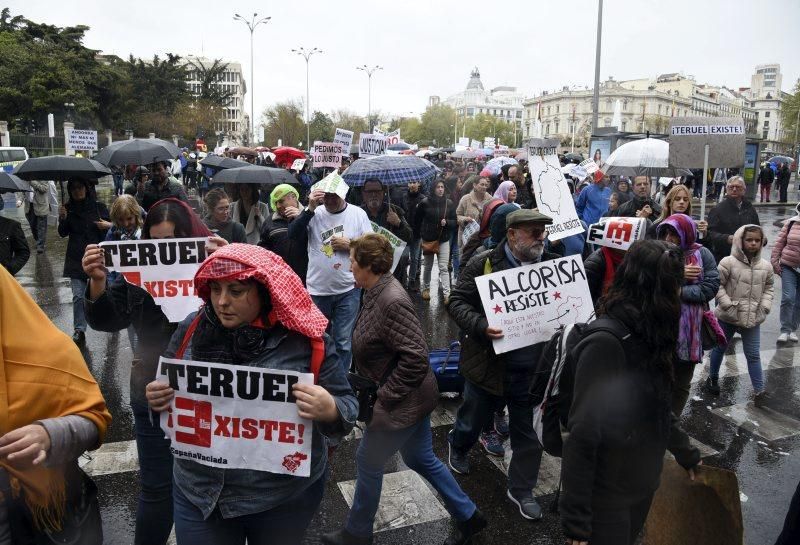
646,157
423,153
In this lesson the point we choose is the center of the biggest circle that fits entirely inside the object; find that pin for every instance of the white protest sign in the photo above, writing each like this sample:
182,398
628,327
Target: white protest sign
617,233
688,137
326,154
500,152
488,142
463,141
164,268
589,165
393,137
531,302
298,164
475,144
332,183
376,130
398,245
370,145
78,140
551,190
345,138
236,417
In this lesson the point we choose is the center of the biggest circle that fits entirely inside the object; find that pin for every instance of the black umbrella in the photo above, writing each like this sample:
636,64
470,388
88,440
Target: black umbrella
139,151
400,146
253,174
217,162
12,184
60,168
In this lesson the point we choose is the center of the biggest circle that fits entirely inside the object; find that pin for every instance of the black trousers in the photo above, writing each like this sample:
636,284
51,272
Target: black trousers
791,526
618,526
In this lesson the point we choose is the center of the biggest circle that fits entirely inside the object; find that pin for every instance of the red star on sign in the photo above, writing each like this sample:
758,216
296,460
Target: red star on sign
557,295
497,309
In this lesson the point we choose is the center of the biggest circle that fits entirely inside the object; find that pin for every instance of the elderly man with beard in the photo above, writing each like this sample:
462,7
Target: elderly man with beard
492,379
389,216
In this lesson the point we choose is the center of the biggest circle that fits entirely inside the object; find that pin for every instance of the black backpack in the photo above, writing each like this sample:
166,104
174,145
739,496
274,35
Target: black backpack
552,382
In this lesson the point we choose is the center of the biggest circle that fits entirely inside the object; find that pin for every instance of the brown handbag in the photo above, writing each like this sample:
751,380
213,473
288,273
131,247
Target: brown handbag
431,247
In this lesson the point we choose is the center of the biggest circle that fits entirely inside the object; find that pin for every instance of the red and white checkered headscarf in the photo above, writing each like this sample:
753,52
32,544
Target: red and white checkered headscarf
291,302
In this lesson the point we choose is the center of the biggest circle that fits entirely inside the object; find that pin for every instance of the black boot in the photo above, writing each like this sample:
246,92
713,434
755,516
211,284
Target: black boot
712,386
343,537
464,531
79,337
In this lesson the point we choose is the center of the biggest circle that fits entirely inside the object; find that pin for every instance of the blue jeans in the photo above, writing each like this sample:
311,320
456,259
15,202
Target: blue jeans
78,286
118,181
415,257
478,409
283,525
455,253
751,343
341,311
414,444
790,300
154,512
41,231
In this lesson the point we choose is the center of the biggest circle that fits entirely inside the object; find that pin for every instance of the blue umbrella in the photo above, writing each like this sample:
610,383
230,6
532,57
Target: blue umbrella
391,170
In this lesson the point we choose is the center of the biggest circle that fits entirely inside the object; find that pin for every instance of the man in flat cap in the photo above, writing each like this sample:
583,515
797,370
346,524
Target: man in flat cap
492,380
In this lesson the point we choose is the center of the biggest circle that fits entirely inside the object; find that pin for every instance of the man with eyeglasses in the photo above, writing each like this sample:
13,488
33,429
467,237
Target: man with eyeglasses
492,379
389,216
726,217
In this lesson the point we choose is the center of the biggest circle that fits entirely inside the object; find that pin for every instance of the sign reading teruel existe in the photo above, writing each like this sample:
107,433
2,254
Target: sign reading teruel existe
531,302
236,417
164,268
688,136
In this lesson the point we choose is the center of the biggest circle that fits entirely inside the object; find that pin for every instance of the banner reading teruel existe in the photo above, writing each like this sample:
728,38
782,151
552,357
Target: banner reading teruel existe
164,268
236,417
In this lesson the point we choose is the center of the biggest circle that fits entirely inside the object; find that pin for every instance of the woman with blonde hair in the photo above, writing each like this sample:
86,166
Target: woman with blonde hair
678,201
126,219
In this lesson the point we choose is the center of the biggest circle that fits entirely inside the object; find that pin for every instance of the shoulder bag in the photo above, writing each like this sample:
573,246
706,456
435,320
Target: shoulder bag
431,247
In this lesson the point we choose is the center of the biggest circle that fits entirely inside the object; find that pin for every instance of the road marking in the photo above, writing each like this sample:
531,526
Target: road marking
406,500
764,422
735,364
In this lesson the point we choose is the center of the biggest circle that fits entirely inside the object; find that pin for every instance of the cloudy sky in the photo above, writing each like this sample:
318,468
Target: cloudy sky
430,47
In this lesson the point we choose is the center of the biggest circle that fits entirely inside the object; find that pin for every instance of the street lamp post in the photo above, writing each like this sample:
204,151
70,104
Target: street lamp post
596,94
251,24
369,71
306,54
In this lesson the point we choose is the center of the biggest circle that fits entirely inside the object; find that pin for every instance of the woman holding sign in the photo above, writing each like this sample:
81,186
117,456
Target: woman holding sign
113,305
389,349
257,314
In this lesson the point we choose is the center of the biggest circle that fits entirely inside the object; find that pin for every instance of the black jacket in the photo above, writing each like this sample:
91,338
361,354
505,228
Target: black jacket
410,202
784,174
766,176
723,220
402,231
14,251
289,240
595,266
123,305
479,363
429,217
620,425
154,193
629,209
79,226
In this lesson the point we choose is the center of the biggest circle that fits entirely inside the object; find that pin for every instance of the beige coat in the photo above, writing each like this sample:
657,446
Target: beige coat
746,286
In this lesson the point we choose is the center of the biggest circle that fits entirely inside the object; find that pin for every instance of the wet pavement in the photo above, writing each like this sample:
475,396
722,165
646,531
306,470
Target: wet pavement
760,445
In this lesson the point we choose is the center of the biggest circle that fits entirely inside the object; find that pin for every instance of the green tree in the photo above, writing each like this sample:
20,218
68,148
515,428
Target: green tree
790,111
438,124
412,131
209,77
344,119
284,121
484,125
321,127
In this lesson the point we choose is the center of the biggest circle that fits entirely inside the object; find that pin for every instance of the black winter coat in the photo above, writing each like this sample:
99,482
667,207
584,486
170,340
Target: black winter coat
723,220
289,240
595,266
629,209
14,251
79,226
479,363
410,202
620,425
123,305
429,217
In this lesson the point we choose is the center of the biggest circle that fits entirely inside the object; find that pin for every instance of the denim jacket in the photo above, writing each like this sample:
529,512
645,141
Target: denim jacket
239,492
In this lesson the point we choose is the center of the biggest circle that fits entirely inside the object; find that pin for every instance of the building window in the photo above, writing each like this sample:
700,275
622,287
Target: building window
556,126
470,111
548,110
623,125
625,106
558,108
547,129
766,114
659,108
765,134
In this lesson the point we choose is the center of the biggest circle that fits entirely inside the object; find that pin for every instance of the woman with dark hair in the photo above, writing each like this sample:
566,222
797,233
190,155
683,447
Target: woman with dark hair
700,285
218,218
620,421
389,349
114,304
475,242
85,221
248,210
257,314
435,221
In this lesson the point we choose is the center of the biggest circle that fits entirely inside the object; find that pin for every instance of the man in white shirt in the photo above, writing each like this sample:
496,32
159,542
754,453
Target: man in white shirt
329,280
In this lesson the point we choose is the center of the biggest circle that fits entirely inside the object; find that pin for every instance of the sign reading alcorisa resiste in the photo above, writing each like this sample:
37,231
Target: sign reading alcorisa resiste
688,137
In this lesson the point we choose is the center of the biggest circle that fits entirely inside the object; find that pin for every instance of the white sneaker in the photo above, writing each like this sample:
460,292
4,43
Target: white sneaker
783,337
793,337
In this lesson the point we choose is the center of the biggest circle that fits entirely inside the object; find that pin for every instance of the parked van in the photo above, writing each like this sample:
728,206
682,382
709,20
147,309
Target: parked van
11,157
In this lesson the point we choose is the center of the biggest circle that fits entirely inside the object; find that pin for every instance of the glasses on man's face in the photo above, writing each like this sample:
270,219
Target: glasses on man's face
735,188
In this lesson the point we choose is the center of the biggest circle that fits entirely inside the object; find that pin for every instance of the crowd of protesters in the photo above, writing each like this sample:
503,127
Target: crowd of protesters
276,277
